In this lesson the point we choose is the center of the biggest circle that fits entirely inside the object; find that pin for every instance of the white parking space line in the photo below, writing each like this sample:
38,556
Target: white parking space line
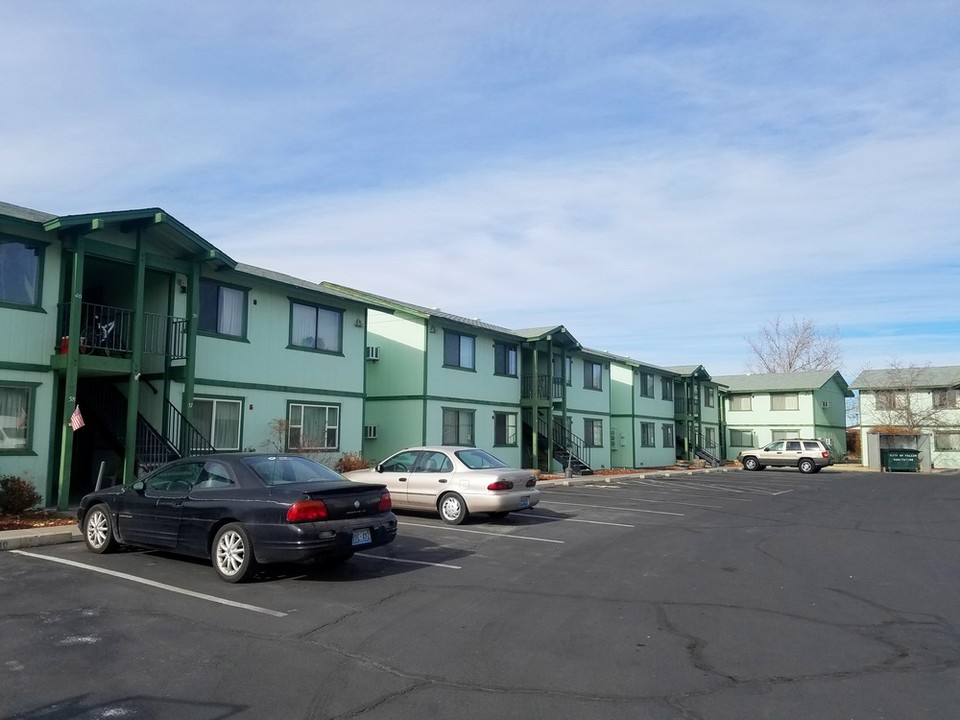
479,532
606,507
675,488
563,519
649,500
412,562
154,584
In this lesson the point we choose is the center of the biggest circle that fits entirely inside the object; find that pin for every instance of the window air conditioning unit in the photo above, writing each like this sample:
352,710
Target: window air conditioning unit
373,352
825,404
370,432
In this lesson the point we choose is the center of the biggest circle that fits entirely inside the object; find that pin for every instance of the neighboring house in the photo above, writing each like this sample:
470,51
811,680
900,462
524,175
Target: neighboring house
761,408
167,346
923,402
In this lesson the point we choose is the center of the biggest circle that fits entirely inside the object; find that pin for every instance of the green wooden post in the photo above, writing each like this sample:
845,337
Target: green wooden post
190,371
136,358
71,377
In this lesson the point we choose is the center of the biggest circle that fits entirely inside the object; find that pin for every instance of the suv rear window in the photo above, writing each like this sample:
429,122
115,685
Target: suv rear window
811,446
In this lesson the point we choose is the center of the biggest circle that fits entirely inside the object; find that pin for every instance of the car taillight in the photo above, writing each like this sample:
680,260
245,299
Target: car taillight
386,503
307,511
500,485
825,454
532,482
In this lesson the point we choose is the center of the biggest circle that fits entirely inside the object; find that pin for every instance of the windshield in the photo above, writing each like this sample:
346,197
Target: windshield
476,459
288,469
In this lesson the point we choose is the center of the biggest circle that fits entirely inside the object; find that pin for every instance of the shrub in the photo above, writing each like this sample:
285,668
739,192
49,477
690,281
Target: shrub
351,461
17,495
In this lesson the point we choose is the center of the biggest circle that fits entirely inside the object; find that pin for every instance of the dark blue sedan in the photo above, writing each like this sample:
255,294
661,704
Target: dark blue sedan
241,510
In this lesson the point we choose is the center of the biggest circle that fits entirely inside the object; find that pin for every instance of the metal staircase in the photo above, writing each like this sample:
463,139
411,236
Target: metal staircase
568,450
104,402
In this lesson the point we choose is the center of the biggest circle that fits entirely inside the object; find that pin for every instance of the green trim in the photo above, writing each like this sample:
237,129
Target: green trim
443,398
24,367
275,388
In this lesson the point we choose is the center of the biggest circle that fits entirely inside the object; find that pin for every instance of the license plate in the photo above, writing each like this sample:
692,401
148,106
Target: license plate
362,536
524,502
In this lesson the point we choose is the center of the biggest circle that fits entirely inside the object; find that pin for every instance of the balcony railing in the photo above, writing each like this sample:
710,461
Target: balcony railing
106,330
541,387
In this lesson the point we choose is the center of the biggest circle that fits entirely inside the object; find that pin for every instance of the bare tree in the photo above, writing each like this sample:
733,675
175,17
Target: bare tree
797,346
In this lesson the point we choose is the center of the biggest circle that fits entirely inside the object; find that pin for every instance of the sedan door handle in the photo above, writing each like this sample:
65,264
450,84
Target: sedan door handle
401,479
441,481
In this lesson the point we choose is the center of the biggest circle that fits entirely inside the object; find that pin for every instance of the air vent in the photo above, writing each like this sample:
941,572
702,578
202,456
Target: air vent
370,432
373,352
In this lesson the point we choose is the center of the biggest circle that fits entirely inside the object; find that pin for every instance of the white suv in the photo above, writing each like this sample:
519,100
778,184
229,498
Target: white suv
808,455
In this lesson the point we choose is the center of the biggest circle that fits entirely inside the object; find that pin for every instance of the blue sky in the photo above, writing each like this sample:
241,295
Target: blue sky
660,178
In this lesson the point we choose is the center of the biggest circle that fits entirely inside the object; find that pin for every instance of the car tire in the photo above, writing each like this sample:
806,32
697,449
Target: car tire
232,554
453,509
751,463
499,514
807,466
98,530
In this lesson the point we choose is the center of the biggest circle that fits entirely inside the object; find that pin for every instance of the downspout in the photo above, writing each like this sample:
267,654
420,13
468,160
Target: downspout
72,375
633,419
133,386
426,365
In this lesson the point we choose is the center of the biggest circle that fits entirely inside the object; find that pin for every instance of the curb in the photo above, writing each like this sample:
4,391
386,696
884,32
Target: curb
56,535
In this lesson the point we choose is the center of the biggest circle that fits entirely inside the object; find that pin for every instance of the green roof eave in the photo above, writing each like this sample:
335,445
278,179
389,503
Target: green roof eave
203,250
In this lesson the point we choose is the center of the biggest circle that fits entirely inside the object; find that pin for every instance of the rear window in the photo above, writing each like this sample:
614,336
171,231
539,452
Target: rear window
289,469
812,446
476,459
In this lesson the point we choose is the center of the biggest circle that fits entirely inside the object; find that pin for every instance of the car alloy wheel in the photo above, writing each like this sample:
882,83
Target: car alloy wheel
233,553
98,530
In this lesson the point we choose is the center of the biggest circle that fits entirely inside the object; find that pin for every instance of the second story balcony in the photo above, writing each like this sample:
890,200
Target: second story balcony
108,331
541,387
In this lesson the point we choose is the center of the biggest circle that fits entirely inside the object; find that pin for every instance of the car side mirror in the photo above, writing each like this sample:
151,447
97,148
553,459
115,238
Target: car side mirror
379,468
139,486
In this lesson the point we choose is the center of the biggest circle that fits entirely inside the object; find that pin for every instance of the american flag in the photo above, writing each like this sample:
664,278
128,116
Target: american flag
76,420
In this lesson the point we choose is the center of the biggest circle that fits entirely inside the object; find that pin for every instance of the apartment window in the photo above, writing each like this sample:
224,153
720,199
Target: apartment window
891,400
666,388
647,434
504,428
313,427
223,309
592,375
559,372
16,404
458,427
593,432
945,398
459,350
219,421
741,438
667,429
785,434
784,401
709,396
315,327
20,272
946,441
646,385
504,359
741,403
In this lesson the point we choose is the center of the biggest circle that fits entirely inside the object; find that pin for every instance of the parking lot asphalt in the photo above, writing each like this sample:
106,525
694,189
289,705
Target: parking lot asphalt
38,537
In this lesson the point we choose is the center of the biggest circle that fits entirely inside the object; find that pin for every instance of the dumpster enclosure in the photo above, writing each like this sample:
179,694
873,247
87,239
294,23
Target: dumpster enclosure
898,453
